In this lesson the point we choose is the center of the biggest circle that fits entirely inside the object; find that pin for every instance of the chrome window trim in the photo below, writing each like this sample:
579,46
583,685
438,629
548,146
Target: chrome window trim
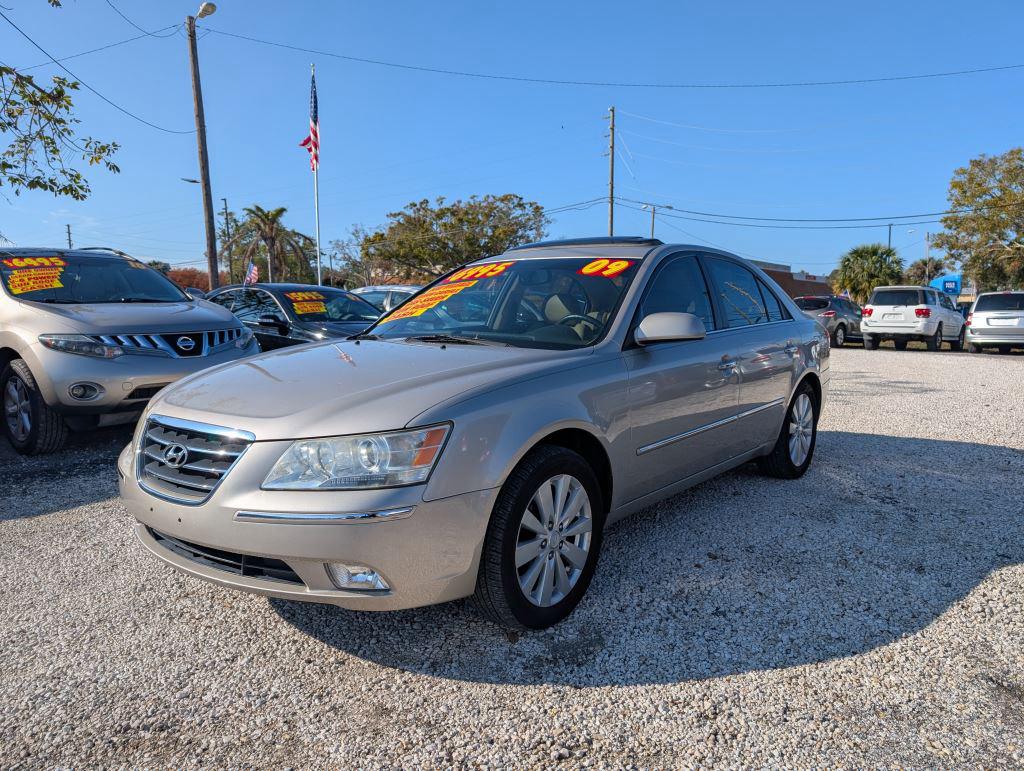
348,517
707,427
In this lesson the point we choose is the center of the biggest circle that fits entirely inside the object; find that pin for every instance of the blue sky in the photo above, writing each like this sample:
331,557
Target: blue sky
391,136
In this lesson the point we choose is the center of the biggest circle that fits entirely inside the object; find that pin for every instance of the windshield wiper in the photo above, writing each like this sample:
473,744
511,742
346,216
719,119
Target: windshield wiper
363,336
143,300
454,339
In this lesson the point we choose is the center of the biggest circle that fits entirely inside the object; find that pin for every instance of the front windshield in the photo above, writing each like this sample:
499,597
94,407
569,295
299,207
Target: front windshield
564,302
77,278
329,305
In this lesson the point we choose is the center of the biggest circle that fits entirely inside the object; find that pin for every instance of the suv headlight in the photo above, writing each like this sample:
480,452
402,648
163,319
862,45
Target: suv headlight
359,462
82,345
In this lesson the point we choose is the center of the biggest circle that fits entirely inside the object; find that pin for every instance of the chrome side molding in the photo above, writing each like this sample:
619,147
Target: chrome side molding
327,518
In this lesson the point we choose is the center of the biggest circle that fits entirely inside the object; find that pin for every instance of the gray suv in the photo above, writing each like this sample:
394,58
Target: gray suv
480,437
87,337
840,317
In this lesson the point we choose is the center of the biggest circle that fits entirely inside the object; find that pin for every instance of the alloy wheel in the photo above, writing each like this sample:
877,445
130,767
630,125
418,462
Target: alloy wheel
554,540
801,429
17,409
840,337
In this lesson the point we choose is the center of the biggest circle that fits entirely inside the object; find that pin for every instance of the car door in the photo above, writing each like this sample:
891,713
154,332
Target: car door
272,334
852,314
763,337
952,319
680,392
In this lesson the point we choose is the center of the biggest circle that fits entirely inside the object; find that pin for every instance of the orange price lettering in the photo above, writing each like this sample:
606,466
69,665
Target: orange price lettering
488,270
604,267
35,262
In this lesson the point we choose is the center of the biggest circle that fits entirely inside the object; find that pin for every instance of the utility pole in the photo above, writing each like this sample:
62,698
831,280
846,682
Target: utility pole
204,158
654,209
890,235
227,246
69,236
611,171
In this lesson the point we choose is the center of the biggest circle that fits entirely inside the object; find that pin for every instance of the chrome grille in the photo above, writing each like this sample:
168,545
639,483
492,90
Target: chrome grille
165,344
184,461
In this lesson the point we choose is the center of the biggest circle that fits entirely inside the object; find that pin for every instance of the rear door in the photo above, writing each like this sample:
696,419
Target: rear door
952,320
679,392
764,337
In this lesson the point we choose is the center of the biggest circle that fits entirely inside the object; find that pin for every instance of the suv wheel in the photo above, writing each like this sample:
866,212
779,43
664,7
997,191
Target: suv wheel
900,344
839,336
31,426
934,342
542,542
958,344
794,449
870,342
1004,349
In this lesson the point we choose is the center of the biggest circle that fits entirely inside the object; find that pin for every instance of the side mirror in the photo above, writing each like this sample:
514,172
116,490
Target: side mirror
663,327
272,320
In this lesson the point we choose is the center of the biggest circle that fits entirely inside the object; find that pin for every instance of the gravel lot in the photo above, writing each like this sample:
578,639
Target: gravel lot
871,613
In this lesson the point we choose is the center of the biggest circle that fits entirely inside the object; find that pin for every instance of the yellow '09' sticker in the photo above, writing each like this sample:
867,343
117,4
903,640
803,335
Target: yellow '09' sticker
604,267
427,300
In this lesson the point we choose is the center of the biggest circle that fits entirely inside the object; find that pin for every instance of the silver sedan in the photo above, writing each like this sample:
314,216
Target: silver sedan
479,439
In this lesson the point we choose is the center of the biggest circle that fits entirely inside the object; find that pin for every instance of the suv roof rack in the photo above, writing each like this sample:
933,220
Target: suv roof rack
598,241
118,252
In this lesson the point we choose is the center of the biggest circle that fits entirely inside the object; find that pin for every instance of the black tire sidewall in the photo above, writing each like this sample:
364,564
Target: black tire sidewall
35,400
799,471
525,612
838,341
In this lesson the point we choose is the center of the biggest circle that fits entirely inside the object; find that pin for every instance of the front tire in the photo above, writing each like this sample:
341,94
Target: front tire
794,450
870,342
31,426
839,337
958,344
543,541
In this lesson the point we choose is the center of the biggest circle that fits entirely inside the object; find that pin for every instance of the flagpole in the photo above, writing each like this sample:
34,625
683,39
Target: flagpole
316,202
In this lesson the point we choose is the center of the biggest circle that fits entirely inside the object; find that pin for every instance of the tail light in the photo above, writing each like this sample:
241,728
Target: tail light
923,313
867,311
828,314
969,317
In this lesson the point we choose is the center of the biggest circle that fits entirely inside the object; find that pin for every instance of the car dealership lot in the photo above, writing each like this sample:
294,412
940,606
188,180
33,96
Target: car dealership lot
871,612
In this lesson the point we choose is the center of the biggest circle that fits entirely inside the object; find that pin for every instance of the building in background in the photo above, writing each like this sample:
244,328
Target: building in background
798,284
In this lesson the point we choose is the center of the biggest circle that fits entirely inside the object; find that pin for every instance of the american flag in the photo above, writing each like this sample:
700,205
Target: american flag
312,142
251,275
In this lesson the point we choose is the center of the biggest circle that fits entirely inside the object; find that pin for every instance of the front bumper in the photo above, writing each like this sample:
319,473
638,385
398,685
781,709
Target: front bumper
428,555
127,383
923,329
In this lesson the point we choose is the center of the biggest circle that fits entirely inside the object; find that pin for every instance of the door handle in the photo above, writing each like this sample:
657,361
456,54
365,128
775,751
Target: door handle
727,366
792,350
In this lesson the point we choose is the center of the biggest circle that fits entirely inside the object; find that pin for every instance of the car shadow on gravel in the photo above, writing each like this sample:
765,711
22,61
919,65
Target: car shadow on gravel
741,574
83,472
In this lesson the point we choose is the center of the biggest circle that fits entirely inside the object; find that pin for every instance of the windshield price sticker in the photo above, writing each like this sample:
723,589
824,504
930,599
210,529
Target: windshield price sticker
428,300
299,296
604,267
311,306
34,279
35,262
490,270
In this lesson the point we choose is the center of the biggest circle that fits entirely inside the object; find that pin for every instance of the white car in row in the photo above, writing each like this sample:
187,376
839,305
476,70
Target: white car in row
905,313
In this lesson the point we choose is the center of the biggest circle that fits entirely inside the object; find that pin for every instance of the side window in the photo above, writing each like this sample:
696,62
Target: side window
225,299
738,293
775,310
679,287
947,303
376,298
245,306
267,305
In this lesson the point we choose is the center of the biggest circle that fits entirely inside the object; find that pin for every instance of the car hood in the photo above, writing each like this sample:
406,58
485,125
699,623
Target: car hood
347,387
336,328
139,318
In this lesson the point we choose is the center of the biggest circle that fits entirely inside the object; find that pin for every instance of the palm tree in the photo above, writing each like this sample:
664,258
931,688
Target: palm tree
866,266
924,270
287,250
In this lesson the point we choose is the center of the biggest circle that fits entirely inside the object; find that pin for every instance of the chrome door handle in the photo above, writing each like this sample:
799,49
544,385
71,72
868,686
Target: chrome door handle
726,366
792,350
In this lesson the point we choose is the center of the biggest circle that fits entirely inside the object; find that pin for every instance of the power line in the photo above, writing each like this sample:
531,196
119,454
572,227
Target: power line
90,88
93,50
136,26
770,150
610,84
709,128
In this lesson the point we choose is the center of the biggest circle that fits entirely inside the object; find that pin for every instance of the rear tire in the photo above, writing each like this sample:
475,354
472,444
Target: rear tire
958,344
870,342
934,342
518,537
801,421
1004,349
21,400
972,348
839,337
901,345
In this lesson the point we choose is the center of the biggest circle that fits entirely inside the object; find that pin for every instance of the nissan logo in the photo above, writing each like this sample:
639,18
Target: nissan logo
175,455
186,343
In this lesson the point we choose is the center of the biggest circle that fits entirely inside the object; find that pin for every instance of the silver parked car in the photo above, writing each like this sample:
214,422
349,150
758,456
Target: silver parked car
840,316
478,440
996,320
905,313
387,297
87,337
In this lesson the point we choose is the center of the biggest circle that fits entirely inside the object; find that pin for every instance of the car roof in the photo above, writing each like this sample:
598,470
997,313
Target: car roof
906,286
36,251
387,288
1002,291
280,287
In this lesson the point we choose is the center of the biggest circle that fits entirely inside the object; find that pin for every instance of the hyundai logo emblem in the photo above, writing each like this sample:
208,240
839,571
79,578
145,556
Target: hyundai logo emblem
175,455
186,343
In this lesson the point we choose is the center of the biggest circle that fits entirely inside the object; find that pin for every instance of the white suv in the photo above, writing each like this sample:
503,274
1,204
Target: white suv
905,313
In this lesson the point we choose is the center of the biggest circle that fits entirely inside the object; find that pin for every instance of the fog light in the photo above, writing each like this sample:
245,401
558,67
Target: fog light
84,391
356,577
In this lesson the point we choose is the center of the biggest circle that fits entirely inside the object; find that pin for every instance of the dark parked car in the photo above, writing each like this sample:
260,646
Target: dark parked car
840,316
290,314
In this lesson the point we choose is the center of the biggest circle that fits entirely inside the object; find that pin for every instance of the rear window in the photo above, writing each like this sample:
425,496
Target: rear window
896,297
1011,301
811,303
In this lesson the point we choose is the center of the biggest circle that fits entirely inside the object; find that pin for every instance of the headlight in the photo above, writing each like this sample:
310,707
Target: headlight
82,345
245,339
358,462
